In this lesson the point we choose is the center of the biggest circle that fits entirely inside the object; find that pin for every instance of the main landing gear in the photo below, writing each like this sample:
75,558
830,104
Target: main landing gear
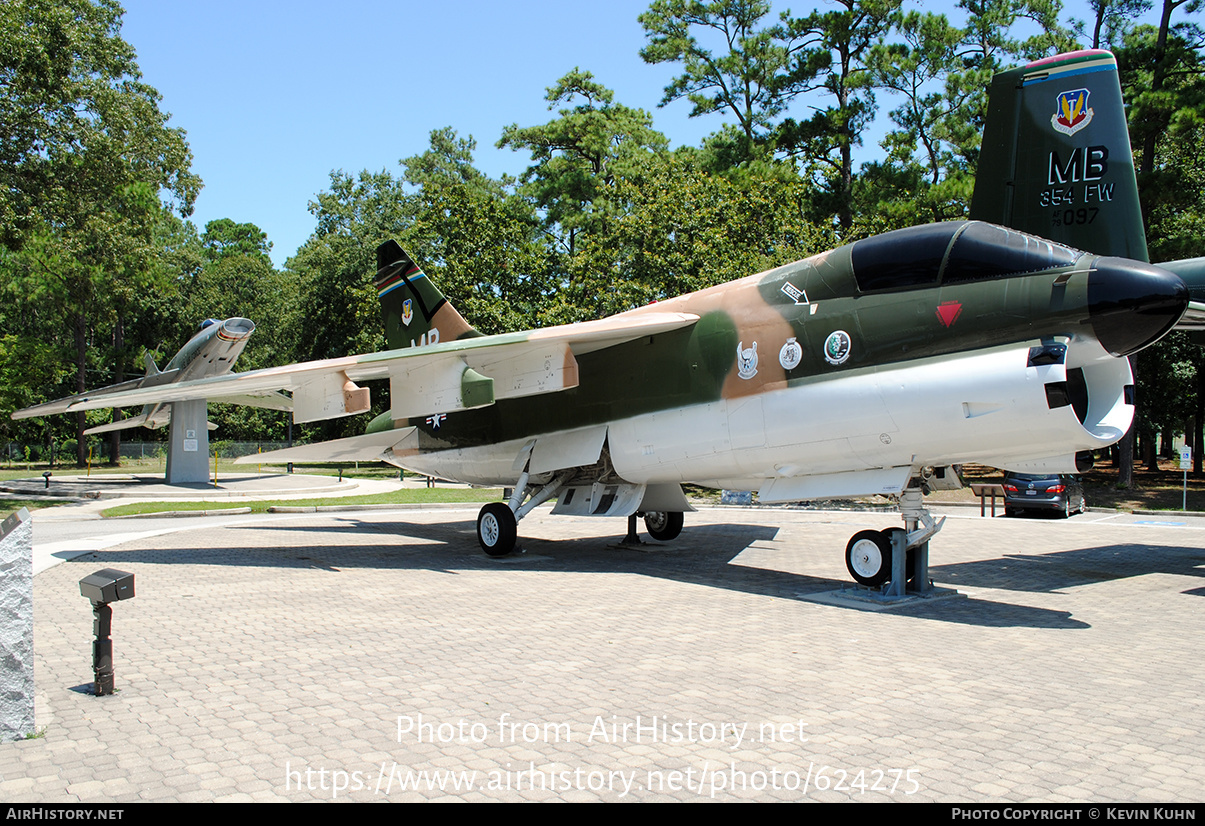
899,556
663,525
497,522
497,529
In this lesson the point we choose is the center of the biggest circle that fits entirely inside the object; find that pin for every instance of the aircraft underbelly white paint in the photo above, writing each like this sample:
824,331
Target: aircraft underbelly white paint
985,407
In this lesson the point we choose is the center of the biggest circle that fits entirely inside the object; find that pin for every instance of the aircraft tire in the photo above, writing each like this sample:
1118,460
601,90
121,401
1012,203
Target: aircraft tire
663,525
868,558
497,529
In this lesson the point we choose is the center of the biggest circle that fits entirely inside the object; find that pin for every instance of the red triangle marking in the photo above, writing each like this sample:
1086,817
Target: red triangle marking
948,312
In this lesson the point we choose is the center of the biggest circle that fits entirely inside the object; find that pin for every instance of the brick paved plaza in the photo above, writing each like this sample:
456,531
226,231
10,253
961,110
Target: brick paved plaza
380,656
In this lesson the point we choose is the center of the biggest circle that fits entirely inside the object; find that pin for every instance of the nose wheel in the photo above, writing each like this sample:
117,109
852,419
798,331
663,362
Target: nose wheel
899,556
868,558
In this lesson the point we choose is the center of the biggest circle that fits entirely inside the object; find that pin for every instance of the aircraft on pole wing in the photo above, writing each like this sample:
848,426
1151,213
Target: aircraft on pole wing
874,368
211,351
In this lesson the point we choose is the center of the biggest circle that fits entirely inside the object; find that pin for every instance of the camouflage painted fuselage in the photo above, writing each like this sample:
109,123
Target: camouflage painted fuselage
872,361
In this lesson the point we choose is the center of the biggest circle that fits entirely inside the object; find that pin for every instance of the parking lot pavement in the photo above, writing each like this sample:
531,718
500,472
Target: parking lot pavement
380,656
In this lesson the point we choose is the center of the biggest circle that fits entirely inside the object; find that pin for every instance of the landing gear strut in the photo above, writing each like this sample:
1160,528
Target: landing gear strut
899,556
497,522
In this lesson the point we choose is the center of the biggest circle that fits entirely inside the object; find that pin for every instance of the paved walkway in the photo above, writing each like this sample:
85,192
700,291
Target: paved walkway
151,487
380,656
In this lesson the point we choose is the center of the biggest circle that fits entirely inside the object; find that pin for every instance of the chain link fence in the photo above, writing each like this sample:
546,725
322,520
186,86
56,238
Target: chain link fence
18,452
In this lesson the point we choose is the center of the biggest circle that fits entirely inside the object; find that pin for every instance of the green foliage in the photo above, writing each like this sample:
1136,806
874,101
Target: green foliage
1111,21
223,238
82,140
335,266
754,78
686,229
1163,79
578,155
85,154
449,162
837,61
487,255
1167,377
928,174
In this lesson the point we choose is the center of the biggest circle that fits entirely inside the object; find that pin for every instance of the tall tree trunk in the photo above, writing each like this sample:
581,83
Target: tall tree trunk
1149,454
119,344
81,385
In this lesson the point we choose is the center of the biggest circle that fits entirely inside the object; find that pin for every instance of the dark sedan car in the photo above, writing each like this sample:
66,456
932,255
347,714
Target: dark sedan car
1062,493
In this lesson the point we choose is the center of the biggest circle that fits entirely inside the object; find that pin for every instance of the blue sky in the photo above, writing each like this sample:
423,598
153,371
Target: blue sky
276,95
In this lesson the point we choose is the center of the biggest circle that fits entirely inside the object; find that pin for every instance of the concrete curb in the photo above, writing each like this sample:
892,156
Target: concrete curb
163,514
385,507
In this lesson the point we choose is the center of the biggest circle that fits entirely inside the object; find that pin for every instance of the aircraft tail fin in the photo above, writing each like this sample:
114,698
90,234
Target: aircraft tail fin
152,369
415,312
1056,158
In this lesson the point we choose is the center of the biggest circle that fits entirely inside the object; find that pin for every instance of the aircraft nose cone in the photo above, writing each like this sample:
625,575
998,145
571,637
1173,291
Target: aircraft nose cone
1131,304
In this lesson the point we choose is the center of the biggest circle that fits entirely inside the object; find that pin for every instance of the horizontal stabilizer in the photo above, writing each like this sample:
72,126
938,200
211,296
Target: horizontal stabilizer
123,424
1193,319
369,447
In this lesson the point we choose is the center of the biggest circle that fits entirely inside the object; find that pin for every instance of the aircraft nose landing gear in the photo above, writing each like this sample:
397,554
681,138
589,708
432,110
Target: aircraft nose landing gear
899,556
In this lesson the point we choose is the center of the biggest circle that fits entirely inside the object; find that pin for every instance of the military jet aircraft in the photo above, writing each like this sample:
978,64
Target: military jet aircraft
875,368
211,351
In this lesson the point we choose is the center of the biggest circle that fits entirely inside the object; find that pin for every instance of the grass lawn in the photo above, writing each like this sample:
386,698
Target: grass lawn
1152,490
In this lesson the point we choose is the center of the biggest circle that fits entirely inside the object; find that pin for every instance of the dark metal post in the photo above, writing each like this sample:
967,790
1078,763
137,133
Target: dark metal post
102,649
101,588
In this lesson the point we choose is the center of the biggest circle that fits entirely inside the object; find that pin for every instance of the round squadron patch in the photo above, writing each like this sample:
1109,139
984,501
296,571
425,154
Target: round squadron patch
790,355
837,347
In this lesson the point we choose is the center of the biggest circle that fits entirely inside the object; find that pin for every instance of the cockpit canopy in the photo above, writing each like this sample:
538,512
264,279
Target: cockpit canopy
952,253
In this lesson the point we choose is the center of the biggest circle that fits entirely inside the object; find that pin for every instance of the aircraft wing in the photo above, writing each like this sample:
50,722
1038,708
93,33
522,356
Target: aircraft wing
439,378
268,401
